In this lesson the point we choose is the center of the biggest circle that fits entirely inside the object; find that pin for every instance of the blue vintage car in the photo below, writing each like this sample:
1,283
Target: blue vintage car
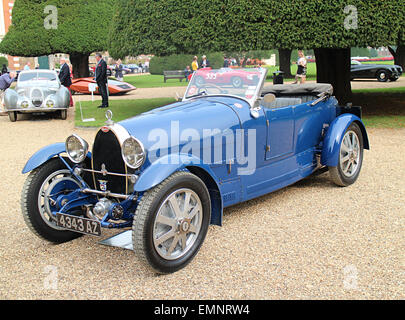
169,173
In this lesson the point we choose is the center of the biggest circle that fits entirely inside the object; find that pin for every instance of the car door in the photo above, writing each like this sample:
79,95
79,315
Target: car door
280,132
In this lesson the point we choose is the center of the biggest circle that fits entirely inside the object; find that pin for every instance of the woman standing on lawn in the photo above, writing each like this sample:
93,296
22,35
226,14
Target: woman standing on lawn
302,68
194,65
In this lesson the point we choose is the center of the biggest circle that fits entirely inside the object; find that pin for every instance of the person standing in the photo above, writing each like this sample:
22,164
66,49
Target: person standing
4,70
204,62
5,82
65,78
226,62
118,71
27,66
194,65
302,68
101,78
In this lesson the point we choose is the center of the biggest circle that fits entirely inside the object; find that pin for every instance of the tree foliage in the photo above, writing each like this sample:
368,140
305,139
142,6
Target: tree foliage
82,28
165,27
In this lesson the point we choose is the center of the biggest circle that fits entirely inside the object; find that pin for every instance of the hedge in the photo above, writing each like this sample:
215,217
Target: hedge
181,61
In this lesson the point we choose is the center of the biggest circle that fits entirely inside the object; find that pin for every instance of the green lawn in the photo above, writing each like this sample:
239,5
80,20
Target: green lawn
382,90
391,122
122,109
153,81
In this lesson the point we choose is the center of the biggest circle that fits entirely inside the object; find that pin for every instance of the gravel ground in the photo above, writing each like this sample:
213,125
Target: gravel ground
311,240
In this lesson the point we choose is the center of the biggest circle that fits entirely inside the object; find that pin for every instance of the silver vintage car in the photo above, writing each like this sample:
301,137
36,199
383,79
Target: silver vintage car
37,91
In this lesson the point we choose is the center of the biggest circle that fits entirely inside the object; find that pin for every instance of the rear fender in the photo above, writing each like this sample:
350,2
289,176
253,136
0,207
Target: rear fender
164,167
334,138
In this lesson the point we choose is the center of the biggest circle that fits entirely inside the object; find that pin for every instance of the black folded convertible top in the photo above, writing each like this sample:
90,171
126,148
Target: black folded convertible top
308,89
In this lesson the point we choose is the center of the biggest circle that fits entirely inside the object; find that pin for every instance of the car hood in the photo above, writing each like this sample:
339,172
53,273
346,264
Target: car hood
183,122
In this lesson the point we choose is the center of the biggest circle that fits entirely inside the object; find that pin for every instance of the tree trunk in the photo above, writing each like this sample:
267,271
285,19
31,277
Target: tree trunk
80,63
285,62
399,55
333,66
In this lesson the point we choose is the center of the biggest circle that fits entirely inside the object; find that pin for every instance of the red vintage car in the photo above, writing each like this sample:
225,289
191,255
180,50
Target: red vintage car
236,78
115,87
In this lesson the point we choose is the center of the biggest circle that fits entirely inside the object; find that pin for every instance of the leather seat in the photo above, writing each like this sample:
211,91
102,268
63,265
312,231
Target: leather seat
283,102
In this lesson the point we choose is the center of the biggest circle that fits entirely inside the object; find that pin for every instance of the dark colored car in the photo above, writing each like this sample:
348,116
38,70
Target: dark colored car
381,72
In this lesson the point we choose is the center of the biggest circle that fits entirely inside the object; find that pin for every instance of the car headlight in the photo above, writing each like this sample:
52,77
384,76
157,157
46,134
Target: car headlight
133,153
25,104
76,148
50,103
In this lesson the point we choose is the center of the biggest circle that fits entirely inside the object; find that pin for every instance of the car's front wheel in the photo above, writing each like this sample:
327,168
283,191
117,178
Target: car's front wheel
12,116
237,82
382,76
171,222
37,201
350,158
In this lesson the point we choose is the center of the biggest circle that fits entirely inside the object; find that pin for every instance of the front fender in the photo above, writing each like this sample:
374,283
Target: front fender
45,154
334,138
164,167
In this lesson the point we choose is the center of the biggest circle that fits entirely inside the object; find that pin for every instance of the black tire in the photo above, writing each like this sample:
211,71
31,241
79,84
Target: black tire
12,116
63,114
30,207
382,76
337,174
394,79
237,82
145,216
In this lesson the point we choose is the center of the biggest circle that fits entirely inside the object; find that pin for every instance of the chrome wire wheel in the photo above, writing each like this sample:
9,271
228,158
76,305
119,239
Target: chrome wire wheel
350,153
44,201
177,224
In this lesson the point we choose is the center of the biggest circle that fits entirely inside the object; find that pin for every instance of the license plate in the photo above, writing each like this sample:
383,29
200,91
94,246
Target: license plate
78,224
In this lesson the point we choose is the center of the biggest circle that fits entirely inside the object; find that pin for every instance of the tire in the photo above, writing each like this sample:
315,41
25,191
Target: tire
30,205
63,114
348,171
394,79
382,76
12,116
237,82
150,248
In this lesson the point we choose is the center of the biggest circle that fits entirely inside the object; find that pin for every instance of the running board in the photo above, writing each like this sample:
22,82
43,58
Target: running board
122,240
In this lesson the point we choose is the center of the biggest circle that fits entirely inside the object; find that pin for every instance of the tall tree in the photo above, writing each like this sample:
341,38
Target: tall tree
76,27
188,26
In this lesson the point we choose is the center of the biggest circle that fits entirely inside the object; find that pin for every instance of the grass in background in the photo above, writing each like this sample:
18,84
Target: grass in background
122,109
391,122
153,81
400,90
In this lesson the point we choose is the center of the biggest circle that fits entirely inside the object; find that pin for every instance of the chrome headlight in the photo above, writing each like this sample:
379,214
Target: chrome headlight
76,148
133,153
50,103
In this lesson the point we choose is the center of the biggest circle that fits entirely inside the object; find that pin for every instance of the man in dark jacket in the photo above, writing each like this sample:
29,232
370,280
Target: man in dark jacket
102,79
64,77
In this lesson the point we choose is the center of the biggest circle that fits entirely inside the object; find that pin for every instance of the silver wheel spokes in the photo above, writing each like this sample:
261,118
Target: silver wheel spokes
43,199
177,224
350,154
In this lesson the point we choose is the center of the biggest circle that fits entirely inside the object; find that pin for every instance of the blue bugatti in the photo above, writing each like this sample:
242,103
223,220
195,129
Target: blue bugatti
167,174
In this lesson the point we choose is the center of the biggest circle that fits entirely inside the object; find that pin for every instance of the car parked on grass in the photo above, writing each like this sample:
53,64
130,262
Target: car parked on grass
115,87
381,72
37,91
169,173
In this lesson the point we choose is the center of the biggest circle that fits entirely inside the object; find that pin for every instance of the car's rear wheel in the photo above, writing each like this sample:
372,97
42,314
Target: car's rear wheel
382,76
37,205
12,116
171,223
63,114
350,158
